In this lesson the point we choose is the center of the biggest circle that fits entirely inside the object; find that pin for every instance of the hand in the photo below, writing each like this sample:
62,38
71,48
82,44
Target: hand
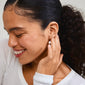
52,61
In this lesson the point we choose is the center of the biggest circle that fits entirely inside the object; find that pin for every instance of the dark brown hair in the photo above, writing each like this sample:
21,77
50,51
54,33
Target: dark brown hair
71,27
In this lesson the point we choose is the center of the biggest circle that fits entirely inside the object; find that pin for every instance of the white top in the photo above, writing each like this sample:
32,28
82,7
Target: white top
11,71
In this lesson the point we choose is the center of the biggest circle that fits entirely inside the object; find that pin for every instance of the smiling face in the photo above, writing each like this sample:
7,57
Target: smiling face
26,37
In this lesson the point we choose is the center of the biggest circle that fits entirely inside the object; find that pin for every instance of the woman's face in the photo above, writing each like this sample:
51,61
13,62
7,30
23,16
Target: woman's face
26,37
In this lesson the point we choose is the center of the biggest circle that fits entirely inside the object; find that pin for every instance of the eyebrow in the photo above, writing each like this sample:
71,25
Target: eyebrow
14,28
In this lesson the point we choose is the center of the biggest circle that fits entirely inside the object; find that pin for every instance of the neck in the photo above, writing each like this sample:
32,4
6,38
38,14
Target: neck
61,73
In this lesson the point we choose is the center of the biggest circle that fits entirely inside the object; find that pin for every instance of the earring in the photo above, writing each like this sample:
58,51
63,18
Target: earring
49,42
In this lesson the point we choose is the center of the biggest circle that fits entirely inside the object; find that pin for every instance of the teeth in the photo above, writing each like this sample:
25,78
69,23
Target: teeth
18,52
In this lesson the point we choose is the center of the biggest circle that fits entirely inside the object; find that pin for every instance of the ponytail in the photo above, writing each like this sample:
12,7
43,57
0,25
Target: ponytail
72,38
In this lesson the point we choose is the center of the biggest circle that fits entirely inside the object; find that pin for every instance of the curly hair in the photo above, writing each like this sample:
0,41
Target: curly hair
72,37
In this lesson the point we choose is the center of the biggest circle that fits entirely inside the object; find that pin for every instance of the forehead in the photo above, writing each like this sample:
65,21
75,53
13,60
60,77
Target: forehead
11,18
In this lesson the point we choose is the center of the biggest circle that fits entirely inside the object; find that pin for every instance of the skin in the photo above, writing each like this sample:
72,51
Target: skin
27,34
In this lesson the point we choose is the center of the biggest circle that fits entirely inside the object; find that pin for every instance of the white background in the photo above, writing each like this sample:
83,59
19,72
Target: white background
79,4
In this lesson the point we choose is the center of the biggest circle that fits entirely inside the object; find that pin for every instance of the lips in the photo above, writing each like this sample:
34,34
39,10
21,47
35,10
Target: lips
18,53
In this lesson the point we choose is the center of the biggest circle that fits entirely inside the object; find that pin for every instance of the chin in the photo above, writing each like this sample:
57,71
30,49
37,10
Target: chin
26,61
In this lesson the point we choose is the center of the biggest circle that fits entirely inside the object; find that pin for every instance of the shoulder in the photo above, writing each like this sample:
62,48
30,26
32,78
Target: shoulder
77,78
72,78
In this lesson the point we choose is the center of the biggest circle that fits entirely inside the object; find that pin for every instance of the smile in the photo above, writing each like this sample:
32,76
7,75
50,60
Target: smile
18,53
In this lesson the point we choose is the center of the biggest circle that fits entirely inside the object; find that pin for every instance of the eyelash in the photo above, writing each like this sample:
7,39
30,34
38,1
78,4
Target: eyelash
18,36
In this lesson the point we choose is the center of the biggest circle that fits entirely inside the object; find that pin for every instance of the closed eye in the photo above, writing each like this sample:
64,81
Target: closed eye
19,35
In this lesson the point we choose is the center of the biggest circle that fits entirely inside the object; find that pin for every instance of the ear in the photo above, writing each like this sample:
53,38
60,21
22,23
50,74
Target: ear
53,29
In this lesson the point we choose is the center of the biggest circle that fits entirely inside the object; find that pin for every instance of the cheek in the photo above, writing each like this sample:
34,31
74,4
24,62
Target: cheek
35,45
26,41
32,42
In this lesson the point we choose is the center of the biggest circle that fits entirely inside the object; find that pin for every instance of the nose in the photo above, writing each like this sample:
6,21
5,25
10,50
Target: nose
12,41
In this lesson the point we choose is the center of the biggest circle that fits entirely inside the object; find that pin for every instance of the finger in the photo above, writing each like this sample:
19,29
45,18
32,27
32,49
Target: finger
58,41
53,47
61,59
58,47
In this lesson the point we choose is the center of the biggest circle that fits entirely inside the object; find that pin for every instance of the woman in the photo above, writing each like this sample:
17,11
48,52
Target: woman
35,55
